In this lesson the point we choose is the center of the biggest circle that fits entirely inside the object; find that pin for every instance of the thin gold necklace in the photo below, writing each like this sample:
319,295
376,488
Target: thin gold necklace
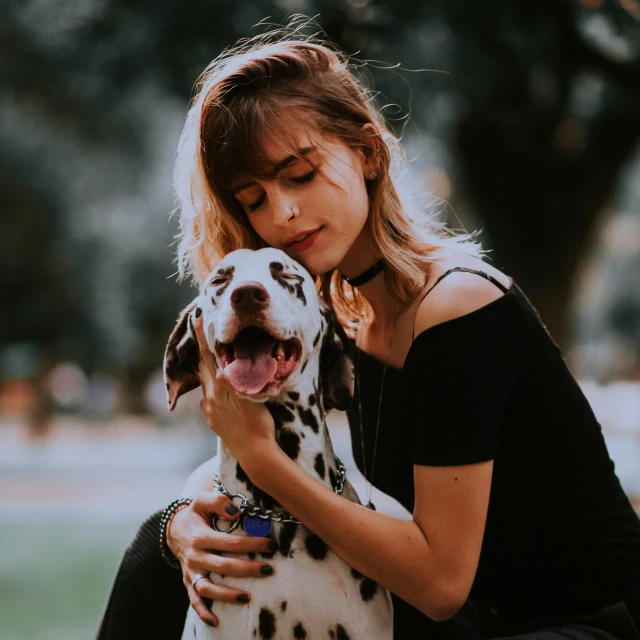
369,489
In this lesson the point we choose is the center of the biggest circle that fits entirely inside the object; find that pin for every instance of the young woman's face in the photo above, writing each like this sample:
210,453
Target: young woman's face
322,193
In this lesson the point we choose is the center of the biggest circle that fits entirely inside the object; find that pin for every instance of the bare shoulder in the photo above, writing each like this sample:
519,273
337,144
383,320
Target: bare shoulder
459,294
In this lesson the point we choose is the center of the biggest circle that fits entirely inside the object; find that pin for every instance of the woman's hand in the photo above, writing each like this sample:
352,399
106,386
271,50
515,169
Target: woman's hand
193,541
246,428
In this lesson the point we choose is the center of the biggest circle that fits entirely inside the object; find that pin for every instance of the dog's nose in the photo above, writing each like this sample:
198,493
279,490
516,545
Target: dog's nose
250,295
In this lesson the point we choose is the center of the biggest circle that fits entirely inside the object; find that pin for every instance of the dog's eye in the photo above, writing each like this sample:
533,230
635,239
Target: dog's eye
217,281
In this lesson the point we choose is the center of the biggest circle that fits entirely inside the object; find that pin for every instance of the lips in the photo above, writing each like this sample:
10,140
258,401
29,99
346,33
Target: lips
305,242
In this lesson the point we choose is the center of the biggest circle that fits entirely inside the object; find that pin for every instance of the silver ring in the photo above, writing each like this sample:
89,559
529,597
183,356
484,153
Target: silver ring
197,577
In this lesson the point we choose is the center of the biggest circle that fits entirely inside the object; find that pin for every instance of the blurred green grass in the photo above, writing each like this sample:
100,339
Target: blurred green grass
55,577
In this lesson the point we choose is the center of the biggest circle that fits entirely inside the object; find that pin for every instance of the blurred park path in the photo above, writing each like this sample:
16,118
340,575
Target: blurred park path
124,469
118,471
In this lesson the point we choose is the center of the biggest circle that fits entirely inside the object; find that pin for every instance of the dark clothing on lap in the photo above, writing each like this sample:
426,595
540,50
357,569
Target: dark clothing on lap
561,536
148,598
561,550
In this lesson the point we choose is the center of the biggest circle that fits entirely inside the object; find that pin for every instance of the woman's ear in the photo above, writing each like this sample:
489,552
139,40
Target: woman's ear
370,150
181,357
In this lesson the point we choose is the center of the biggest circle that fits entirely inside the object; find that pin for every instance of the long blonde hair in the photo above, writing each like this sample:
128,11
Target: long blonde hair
250,93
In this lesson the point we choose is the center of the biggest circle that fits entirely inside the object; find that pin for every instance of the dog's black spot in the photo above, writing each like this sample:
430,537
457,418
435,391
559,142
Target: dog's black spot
283,606
368,588
298,632
267,555
315,547
280,413
267,623
333,479
318,465
287,534
341,633
252,555
304,365
312,399
226,271
277,269
308,418
289,442
168,385
254,632
294,395
303,434
291,405
223,288
264,499
317,338
213,301
332,635
243,477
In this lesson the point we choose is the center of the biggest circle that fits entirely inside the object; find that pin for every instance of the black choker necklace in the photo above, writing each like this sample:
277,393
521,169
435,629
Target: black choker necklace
369,274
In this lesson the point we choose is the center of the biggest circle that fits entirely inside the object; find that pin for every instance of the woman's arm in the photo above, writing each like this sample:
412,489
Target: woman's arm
430,562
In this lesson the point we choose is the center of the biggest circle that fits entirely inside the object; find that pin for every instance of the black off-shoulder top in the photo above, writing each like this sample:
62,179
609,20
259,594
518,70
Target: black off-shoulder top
561,536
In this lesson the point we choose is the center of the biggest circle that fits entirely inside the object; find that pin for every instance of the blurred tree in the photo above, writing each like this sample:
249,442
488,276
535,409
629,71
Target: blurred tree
532,123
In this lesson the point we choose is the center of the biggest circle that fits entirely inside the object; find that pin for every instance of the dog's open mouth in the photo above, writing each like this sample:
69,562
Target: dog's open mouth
255,359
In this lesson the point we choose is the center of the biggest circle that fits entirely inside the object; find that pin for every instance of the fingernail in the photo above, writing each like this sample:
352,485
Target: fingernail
232,509
273,545
198,312
266,570
210,622
243,597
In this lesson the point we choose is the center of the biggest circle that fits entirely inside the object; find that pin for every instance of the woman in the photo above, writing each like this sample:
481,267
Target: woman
520,527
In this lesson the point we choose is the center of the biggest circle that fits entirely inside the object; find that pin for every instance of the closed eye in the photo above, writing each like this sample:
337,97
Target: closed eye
256,204
308,177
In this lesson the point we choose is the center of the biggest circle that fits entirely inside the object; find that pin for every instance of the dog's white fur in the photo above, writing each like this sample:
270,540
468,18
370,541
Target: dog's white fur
324,597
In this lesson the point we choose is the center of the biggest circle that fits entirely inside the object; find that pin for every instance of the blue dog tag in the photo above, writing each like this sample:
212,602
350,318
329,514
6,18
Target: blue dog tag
256,527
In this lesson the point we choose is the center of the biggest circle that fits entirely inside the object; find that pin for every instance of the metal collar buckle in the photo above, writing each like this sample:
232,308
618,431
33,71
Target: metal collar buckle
250,507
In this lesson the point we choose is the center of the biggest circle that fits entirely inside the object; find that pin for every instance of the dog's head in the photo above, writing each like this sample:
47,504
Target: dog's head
266,327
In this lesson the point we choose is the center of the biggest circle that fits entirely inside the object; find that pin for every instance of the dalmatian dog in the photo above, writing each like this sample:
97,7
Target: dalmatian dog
279,343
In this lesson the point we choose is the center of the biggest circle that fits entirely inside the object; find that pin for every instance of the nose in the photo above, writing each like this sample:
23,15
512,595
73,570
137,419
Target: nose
284,207
249,296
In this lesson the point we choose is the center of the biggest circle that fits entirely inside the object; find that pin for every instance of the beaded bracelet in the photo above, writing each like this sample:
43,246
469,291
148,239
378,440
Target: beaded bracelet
165,518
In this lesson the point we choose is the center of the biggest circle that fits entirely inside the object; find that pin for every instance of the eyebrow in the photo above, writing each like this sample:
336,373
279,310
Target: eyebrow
277,168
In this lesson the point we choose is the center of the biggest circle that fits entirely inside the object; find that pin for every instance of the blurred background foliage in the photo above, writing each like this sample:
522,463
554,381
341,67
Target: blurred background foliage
524,118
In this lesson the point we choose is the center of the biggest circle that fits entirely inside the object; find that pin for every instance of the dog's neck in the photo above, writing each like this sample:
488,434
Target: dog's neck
300,431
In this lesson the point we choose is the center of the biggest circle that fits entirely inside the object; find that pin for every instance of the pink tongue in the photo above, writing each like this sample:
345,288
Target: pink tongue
252,368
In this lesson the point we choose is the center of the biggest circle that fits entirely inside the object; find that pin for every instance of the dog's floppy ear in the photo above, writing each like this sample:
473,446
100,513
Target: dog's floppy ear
336,364
181,357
